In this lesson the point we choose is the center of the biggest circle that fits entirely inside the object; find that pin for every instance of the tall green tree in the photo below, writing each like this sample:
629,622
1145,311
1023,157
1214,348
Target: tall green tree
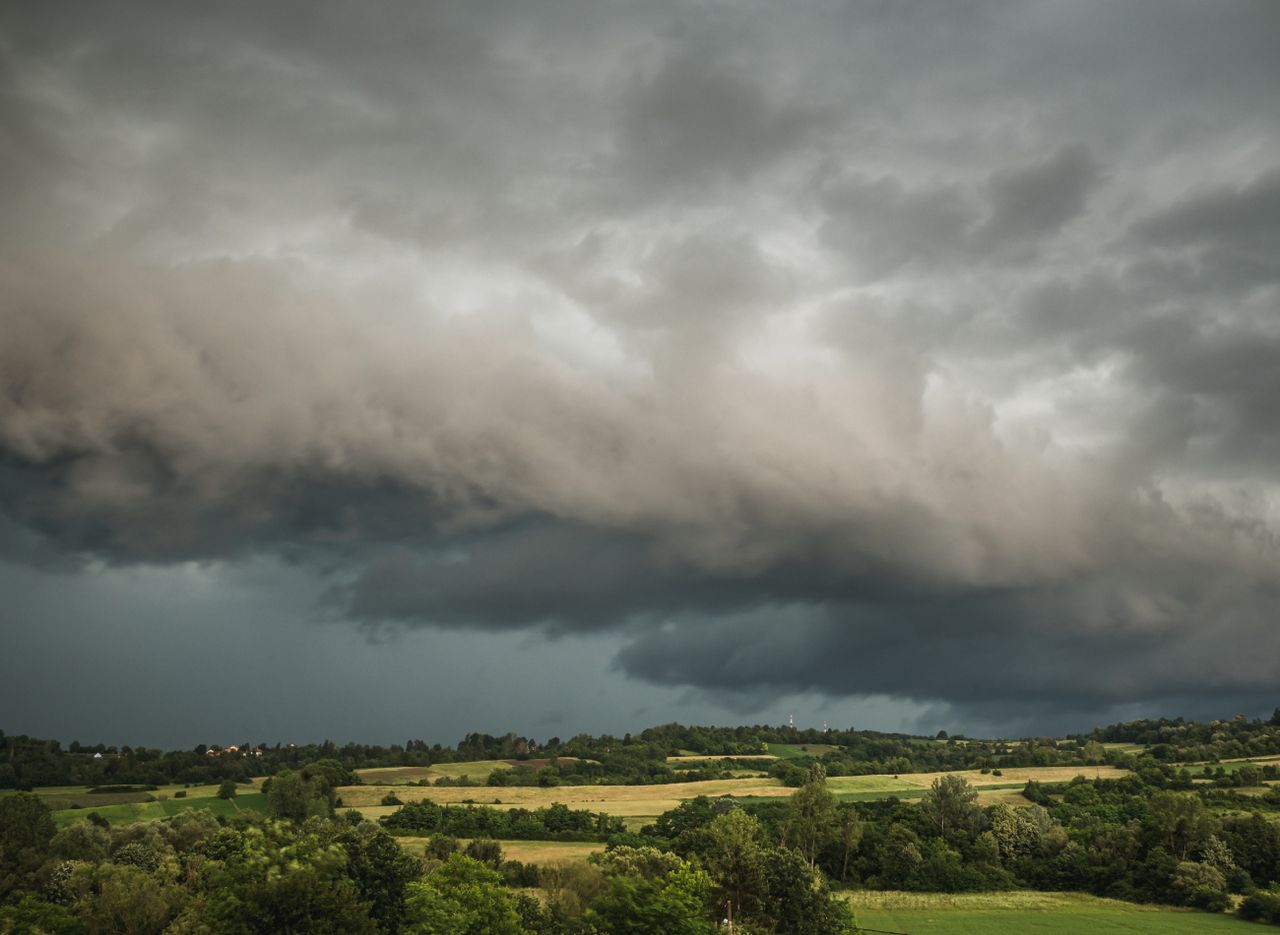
796,900
810,823
951,803
850,833
735,859
461,897
675,904
381,871
26,828
295,797
1178,822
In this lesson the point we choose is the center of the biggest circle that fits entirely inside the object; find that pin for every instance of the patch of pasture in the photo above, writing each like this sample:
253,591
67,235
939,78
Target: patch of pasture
1018,775
1133,748
130,813
396,775
707,758
528,852
1028,912
473,769
75,800
1230,766
623,801
81,799
890,784
790,751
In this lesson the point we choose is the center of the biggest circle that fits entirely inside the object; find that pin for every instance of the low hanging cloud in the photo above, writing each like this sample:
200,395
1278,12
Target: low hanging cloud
794,381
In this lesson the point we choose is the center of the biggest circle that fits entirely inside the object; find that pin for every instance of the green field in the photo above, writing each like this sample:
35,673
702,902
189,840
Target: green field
1231,766
475,770
150,811
1134,748
789,751
882,784
75,803
1029,912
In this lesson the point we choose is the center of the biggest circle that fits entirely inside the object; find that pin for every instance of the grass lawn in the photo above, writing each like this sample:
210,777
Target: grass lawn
1035,913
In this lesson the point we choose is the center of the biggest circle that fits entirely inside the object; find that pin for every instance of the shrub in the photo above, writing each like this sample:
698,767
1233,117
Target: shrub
441,846
1261,906
485,850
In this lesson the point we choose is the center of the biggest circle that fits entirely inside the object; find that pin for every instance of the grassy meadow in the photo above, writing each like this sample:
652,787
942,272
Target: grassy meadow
790,751
150,811
528,852
1029,912
474,770
74,803
641,804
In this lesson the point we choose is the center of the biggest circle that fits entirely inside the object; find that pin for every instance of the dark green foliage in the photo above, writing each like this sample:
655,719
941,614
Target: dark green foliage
461,897
796,901
486,851
381,872
441,847
297,797
672,904
554,823
34,915
26,828
307,899
1261,906
227,789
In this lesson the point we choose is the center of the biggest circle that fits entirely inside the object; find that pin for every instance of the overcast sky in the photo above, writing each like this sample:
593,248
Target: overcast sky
389,370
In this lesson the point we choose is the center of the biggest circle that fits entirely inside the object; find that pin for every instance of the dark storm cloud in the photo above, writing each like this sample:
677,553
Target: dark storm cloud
1226,238
1037,200
881,224
879,350
698,121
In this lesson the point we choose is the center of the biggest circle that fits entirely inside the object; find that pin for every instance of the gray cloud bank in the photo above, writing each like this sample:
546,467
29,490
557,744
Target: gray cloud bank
871,350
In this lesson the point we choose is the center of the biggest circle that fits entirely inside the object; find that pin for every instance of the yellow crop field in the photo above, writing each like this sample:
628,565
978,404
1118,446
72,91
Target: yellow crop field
638,803
624,801
1019,775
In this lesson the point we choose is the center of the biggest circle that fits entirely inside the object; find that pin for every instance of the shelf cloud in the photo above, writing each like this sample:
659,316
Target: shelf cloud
863,351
